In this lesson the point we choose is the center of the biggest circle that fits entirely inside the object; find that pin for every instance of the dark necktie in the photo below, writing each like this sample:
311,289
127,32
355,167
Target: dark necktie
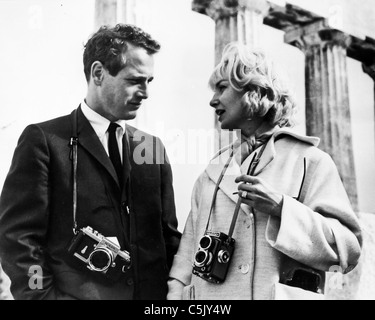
113,150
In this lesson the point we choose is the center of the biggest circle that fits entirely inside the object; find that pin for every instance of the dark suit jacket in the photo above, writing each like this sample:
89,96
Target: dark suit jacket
36,216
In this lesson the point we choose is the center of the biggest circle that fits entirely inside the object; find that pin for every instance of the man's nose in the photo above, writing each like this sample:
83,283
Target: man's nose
143,92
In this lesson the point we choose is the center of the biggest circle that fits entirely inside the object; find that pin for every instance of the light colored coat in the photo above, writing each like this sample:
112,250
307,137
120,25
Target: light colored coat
320,230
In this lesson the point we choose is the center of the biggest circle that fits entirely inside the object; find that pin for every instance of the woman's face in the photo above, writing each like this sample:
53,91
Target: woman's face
227,103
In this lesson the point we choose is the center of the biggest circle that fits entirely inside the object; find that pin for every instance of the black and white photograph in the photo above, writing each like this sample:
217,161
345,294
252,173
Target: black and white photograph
187,150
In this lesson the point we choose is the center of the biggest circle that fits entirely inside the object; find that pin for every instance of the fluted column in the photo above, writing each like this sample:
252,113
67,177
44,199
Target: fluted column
370,70
105,12
327,96
235,20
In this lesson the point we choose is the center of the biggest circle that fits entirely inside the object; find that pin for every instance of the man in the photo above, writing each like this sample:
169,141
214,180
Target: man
126,198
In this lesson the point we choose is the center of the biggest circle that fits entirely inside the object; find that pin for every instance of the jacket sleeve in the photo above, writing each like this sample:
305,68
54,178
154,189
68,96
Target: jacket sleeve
169,220
322,231
24,218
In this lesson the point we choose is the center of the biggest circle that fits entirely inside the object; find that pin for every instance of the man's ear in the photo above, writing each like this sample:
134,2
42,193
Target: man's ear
97,72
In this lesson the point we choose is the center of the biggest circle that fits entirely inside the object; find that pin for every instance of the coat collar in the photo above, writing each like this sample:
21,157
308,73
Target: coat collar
228,184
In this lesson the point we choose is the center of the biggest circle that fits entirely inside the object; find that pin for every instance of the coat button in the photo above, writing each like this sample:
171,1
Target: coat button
245,268
130,281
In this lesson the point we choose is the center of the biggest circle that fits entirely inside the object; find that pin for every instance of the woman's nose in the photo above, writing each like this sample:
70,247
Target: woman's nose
214,101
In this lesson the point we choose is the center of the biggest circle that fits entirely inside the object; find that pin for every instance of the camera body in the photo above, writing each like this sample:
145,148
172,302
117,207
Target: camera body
213,257
99,253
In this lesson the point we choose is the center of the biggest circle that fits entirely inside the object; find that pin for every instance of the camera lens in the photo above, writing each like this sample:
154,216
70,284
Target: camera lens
205,242
100,260
223,256
202,258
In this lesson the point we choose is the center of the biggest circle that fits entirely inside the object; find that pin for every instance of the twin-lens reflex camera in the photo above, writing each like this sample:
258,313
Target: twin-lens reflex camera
213,257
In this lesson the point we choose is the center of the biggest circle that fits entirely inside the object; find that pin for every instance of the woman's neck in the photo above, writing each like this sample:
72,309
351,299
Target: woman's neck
252,127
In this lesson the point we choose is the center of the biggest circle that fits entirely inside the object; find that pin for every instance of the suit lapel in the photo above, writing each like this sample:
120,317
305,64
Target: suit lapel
90,142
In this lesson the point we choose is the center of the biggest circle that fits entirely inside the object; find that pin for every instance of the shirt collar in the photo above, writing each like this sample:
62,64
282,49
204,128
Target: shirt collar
98,122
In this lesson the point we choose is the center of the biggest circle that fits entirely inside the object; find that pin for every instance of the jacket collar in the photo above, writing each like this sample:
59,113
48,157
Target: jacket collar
228,184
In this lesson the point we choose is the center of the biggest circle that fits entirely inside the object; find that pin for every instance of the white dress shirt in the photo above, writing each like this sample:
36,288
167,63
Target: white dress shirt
100,126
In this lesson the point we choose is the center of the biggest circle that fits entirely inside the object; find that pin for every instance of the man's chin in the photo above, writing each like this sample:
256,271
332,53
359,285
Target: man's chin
130,116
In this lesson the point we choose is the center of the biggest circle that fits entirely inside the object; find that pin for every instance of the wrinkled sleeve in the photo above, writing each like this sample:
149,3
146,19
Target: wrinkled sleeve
322,231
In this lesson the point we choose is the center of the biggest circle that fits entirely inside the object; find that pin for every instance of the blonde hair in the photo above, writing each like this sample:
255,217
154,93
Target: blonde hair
264,95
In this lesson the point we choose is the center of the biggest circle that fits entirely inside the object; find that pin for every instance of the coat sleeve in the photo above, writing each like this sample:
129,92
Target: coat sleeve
181,272
169,220
24,218
323,231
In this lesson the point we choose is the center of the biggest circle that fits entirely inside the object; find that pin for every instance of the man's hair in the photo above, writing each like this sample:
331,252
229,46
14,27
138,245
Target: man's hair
251,72
108,46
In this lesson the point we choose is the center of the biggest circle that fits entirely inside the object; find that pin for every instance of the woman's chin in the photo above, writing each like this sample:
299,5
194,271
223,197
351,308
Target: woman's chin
225,126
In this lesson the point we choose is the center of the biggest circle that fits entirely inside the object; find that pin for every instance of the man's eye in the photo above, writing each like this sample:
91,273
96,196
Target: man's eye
133,81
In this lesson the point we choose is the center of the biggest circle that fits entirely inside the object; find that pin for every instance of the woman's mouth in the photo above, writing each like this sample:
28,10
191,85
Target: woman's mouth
220,113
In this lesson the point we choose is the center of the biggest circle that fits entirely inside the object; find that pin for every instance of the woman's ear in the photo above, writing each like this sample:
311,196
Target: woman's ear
97,73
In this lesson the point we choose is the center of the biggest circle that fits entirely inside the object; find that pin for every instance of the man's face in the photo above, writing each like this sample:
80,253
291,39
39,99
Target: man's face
121,96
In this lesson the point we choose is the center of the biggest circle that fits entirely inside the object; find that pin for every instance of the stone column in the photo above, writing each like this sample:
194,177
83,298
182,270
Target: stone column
236,20
105,13
327,97
370,70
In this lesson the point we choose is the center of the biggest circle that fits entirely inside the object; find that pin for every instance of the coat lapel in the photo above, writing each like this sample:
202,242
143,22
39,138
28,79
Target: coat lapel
228,184
215,168
90,142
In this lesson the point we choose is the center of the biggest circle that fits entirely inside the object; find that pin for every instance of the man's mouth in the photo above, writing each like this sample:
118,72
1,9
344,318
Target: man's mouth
137,104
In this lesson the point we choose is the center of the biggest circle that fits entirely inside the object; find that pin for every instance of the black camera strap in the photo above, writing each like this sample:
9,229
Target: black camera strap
74,145
252,167
218,185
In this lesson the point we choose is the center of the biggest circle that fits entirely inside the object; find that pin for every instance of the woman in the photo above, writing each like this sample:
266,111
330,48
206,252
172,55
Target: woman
294,222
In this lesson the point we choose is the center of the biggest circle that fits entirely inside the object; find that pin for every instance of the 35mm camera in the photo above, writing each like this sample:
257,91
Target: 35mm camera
213,257
99,253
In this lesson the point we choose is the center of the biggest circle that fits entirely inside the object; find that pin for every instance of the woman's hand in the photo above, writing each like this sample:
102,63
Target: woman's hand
259,195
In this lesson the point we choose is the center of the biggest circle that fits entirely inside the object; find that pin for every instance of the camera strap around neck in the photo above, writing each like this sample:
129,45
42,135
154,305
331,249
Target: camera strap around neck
254,163
74,156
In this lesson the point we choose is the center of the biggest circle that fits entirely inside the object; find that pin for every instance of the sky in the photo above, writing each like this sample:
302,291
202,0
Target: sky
42,78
